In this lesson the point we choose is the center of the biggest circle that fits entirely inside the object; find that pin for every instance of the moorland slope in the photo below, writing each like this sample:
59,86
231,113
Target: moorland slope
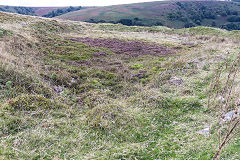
173,14
75,90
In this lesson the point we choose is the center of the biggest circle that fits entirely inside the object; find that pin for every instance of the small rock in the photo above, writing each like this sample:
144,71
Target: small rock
58,89
230,115
205,131
238,103
79,101
73,80
176,81
221,99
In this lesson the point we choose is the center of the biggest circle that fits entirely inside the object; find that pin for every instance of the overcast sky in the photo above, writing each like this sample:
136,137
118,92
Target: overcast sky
43,3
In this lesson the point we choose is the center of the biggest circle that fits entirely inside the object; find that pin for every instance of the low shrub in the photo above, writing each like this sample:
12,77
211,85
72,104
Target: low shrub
136,66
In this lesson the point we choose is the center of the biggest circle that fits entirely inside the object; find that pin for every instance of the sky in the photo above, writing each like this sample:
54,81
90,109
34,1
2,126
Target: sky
59,3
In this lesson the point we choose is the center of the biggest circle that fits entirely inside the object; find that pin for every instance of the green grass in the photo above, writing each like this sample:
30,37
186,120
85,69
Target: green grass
4,32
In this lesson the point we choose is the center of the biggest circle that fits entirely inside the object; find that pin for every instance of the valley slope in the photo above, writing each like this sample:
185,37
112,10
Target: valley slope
77,90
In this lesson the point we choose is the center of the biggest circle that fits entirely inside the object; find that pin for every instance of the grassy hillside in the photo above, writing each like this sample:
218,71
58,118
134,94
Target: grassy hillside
167,13
75,90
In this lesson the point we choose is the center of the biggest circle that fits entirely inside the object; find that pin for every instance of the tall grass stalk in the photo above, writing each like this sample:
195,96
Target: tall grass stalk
223,98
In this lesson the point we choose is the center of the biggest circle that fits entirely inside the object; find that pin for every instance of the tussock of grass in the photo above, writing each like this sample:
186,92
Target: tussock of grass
108,117
27,102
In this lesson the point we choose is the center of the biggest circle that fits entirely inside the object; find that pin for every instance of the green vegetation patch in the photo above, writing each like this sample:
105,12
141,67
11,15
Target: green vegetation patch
181,104
13,83
206,31
124,28
44,27
107,117
4,32
136,66
12,124
64,49
26,102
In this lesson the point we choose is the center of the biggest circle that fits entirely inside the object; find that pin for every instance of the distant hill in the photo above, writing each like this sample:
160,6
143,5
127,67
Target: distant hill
181,14
61,11
39,11
20,10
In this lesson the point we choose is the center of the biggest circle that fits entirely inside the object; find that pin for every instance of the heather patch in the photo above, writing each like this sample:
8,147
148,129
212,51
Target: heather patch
99,54
131,48
80,63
